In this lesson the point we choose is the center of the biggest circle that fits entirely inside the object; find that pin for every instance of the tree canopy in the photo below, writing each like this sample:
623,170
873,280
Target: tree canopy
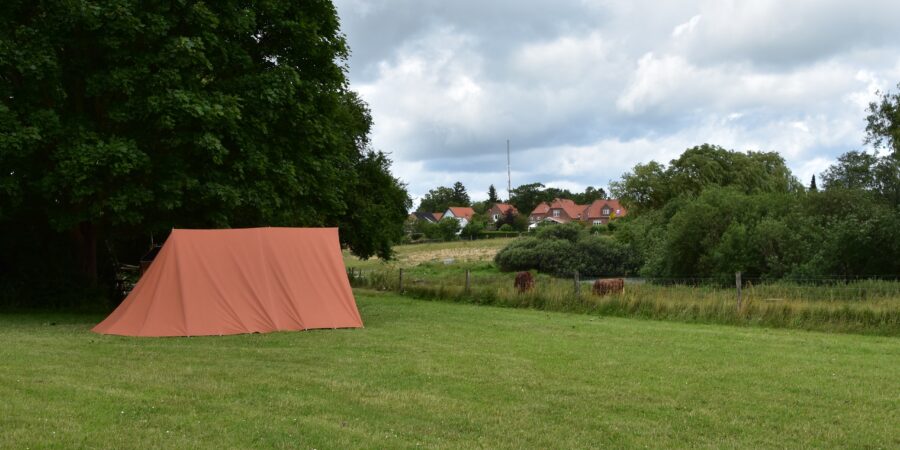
855,170
492,195
652,185
120,119
442,197
883,122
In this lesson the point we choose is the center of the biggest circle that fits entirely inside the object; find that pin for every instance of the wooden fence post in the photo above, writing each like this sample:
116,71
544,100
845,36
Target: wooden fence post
737,283
577,284
401,279
467,281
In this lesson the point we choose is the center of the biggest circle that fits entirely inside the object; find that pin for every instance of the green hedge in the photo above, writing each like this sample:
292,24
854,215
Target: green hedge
563,249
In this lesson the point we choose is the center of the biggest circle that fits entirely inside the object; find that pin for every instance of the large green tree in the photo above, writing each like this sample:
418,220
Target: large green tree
436,200
652,185
492,195
120,118
442,197
527,196
878,175
460,195
883,122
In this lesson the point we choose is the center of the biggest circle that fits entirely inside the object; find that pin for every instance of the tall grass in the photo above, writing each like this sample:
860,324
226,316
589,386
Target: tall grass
864,306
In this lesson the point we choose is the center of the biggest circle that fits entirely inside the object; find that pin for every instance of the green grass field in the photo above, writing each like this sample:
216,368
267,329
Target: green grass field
438,271
442,375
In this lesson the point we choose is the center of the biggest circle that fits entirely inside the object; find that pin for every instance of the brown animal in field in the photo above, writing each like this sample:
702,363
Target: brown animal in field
524,282
609,286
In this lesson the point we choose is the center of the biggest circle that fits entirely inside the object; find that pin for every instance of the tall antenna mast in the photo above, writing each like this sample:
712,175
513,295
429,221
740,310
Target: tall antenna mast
508,174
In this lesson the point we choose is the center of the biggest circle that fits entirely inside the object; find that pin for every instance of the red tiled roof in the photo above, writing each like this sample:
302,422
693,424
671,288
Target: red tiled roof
438,216
571,209
595,210
542,208
464,212
505,207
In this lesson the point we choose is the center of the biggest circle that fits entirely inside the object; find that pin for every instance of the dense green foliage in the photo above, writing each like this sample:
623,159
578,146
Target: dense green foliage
448,229
119,120
442,197
713,212
720,223
492,195
564,249
653,185
883,122
515,222
862,171
816,235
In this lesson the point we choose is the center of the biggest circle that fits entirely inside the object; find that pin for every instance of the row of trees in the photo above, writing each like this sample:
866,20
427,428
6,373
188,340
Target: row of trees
525,197
120,121
713,211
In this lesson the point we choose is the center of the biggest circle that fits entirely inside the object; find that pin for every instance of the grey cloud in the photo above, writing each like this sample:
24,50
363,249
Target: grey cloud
779,34
503,25
587,89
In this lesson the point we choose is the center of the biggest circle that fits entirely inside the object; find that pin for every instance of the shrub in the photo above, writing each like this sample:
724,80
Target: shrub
600,256
448,229
506,227
569,231
589,255
521,254
472,229
557,257
599,229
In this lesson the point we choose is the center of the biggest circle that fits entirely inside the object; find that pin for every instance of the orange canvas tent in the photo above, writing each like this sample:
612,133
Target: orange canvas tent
254,280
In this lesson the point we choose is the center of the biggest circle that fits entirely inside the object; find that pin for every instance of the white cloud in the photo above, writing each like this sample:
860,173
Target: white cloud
687,27
585,90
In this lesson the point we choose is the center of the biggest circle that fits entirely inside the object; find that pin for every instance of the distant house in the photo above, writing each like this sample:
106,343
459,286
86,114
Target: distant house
563,210
540,212
461,213
438,216
600,212
499,211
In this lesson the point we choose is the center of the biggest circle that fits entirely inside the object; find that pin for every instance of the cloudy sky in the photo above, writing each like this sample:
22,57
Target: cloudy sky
586,89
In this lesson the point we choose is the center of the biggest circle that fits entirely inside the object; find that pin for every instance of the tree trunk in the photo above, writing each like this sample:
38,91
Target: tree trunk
85,235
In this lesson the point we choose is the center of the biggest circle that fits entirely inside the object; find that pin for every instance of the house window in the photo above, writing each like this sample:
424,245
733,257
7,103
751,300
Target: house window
496,216
555,213
597,222
605,211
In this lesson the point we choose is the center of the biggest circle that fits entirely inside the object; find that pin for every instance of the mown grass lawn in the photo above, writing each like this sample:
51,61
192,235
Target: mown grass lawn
443,375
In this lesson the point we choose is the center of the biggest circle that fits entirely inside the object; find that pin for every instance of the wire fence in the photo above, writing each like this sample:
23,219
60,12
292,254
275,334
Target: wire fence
830,288
866,305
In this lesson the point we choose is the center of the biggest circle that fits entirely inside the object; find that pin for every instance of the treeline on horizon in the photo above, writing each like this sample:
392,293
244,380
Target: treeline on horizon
713,212
525,197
